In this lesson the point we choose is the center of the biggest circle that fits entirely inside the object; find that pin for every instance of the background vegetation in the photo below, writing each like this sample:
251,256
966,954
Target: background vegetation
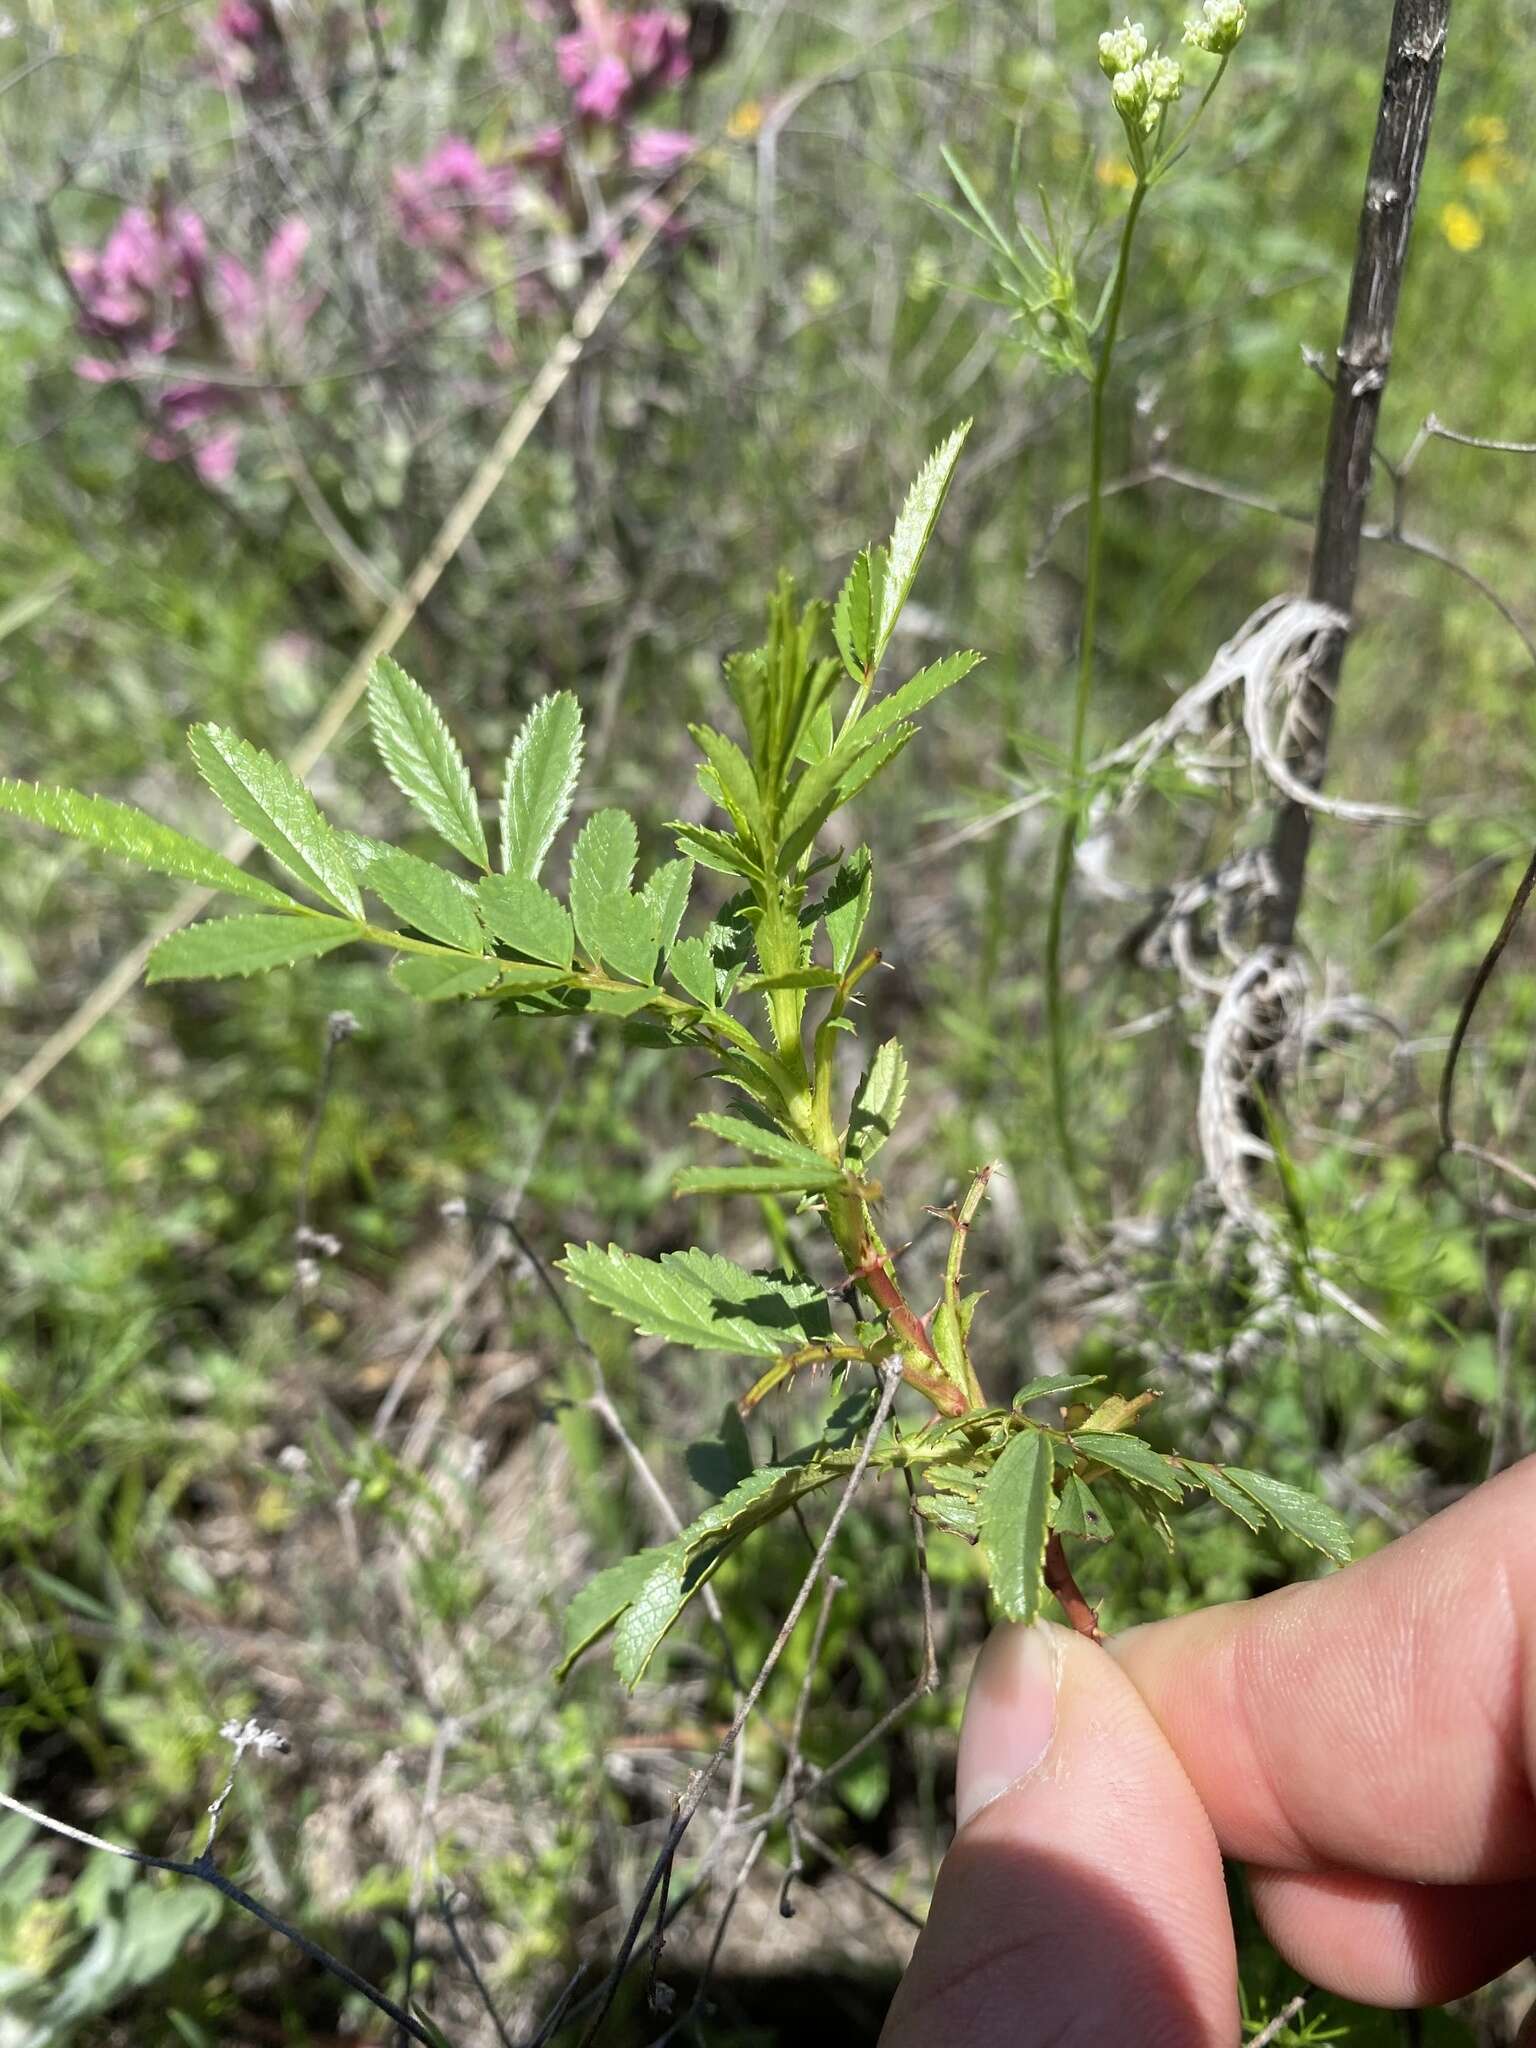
346,1481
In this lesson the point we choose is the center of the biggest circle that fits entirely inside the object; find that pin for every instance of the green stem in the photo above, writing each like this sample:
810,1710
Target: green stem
1055,1006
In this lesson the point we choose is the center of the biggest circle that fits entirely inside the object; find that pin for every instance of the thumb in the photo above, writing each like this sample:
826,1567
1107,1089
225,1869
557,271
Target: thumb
1082,1900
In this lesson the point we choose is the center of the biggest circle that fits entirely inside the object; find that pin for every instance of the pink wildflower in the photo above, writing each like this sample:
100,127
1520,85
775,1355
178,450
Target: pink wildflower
659,149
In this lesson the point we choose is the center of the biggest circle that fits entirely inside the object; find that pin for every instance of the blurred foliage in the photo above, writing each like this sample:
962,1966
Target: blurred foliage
198,1515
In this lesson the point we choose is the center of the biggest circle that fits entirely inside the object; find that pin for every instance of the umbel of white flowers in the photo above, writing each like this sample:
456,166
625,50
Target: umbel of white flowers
1218,27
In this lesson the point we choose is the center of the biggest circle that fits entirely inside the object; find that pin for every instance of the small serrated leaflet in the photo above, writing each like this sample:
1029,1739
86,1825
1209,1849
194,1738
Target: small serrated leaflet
845,907
224,946
855,617
1077,1513
1055,1389
1016,1523
666,894
877,1103
757,1180
906,702
691,965
1221,1490
1131,1459
1301,1515
423,760
133,835
265,796
601,1601
762,1141
602,868
539,782
444,979
696,1299
524,915
950,1511
913,531
428,898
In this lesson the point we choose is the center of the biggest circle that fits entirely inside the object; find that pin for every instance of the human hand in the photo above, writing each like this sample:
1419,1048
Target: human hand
1365,1743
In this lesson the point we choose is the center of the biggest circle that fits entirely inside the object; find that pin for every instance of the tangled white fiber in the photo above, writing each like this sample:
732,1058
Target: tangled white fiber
1265,661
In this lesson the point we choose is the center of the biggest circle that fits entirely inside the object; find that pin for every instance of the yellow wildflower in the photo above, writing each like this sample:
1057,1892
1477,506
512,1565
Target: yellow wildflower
1487,129
745,121
1461,227
1115,171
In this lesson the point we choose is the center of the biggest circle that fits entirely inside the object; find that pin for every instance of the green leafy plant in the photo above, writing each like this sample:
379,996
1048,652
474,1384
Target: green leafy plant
765,986
1038,280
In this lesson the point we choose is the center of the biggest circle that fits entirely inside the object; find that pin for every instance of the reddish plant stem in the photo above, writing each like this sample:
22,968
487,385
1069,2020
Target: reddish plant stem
1058,1577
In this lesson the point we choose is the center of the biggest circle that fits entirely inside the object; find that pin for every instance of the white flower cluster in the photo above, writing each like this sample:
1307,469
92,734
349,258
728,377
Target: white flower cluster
1217,27
1122,49
1141,93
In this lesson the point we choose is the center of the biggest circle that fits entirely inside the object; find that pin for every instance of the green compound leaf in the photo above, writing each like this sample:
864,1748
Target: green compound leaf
539,783
692,966
134,835
1131,1459
268,799
695,1299
1077,1513
442,980
1309,1520
877,1103
845,907
523,914
1016,1522
429,898
913,531
423,761
225,946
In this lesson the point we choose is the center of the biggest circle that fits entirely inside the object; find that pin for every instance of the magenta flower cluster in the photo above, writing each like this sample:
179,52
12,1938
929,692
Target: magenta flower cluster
613,62
152,290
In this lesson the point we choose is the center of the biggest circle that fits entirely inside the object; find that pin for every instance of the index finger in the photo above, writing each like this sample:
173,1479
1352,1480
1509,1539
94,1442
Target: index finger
1382,1719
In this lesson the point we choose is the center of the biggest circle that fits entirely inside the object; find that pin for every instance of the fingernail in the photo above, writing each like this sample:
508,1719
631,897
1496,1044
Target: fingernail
1010,1716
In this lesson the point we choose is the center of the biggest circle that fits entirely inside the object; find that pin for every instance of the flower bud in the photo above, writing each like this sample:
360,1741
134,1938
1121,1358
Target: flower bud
1121,49
1165,80
1129,93
1218,26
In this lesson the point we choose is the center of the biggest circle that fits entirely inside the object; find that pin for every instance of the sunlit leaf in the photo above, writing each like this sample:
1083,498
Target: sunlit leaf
423,761
1016,1523
133,834
539,782
268,799
225,946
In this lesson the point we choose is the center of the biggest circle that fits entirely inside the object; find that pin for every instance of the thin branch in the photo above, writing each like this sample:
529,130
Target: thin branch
205,1872
1473,997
